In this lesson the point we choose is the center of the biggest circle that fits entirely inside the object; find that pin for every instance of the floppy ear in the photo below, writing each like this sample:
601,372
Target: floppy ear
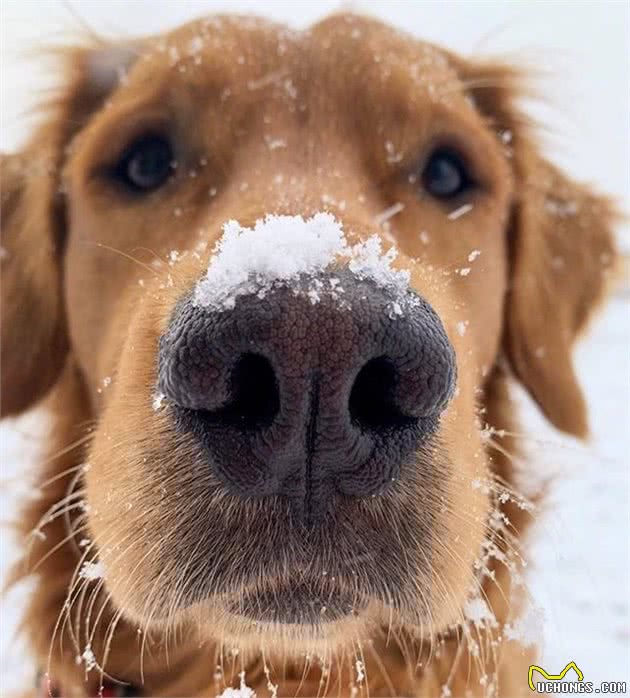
33,332
562,252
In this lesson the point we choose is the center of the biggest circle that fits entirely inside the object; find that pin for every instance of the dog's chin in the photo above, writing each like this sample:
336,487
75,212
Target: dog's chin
292,616
295,604
292,639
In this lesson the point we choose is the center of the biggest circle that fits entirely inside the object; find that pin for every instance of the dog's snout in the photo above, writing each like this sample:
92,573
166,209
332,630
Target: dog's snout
308,395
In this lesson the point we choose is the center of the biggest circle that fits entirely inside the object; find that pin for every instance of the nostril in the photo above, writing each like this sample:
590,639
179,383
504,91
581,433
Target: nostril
372,401
254,394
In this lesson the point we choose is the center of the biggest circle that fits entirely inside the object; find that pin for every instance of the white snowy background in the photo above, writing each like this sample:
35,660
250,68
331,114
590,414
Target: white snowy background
580,552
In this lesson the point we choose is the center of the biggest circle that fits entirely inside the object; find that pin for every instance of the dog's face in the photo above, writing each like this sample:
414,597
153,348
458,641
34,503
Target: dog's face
279,466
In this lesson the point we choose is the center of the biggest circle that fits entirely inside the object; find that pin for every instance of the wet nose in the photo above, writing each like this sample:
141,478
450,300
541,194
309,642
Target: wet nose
311,392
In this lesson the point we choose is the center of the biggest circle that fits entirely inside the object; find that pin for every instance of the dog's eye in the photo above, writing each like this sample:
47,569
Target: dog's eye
147,163
445,174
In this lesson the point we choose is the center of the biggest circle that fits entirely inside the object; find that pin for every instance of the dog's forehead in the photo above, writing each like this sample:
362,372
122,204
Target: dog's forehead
258,53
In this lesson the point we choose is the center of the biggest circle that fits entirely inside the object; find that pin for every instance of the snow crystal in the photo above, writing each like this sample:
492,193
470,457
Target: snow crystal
473,255
243,691
368,262
461,327
560,208
388,213
464,271
392,155
360,667
425,238
92,570
459,212
266,80
329,201
88,658
278,250
395,309
195,45
158,401
275,143
106,383
476,611
290,89
271,687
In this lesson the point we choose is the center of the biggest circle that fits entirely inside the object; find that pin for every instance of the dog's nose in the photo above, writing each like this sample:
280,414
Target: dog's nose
308,393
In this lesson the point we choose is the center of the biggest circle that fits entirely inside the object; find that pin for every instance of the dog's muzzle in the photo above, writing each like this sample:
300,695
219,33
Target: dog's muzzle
304,396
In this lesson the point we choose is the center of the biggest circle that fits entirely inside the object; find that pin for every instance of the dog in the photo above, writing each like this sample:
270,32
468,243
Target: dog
282,492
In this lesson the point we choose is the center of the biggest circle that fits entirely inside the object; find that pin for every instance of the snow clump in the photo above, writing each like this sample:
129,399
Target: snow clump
92,570
284,250
243,691
477,612
87,658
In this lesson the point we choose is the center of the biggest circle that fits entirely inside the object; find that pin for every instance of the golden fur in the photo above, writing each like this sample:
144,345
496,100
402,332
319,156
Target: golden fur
84,300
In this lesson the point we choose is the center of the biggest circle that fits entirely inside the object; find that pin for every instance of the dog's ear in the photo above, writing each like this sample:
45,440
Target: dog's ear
33,332
562,255
34,340
562,252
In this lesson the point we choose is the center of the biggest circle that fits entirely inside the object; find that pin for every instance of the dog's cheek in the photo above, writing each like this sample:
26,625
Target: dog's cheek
132,457
466,507
123,497
116,534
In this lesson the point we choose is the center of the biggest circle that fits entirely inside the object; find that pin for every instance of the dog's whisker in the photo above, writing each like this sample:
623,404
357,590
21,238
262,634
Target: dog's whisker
61,475
84,526
131,258
37,534
109,636
383,670
77,443
55,510
75,591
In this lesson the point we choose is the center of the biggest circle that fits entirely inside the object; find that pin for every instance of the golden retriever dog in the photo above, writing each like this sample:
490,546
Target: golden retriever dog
299,486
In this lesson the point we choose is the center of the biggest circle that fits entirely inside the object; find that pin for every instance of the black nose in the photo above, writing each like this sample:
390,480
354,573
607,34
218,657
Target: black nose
308,394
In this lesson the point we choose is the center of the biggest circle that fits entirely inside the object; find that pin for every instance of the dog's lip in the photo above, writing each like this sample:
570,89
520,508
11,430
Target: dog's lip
295,604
